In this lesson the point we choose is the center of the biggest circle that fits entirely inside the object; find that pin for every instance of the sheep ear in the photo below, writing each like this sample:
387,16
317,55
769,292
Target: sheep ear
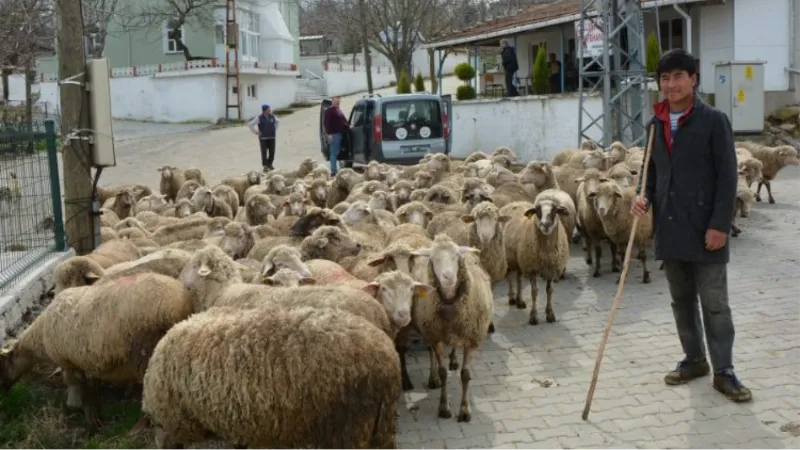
580,180
203,271
530,212
503,219
562,211
429,215
307,280
308,202
377,262
322,242
269,281
742,171
634,172
422,252
421,290
371,288
91,277
267,267
467,218
618,193
603,179
463,250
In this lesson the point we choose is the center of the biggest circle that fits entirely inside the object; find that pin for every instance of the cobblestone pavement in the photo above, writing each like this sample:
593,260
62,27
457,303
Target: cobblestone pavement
219,153
512,407
632,407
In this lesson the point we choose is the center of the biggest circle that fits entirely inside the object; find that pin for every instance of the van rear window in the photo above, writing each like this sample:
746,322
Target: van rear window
412,119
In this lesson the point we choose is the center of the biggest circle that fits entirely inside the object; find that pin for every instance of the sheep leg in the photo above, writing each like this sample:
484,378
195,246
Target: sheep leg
491,328
512,299
533,319
91,406
598,253
434,381
465,412
74,382
520,303
758,191
645,271
769,192
444,406
614,259
401,351
587,248
163,440
551,315
453,359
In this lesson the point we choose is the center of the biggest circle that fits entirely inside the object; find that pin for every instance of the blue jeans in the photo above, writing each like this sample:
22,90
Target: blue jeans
335,147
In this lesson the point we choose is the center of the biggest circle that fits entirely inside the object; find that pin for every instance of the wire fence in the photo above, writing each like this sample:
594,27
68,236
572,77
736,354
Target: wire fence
31,218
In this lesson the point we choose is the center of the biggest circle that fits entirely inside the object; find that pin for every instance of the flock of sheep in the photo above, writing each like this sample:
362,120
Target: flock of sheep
276,311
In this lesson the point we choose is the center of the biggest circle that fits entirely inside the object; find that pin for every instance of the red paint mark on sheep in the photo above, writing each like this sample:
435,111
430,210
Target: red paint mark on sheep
127,280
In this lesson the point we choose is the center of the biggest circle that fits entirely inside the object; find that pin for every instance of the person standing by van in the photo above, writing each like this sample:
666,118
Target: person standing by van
335,124
266,127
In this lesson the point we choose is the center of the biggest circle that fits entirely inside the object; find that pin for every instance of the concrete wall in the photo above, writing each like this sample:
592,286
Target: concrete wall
535,127
182,95
716,41
419,59
343,79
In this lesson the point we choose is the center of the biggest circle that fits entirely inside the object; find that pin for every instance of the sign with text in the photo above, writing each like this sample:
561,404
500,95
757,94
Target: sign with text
593,35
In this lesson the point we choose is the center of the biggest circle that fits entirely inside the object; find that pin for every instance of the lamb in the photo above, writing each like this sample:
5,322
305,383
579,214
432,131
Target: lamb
332,406
457,312
540,175
172,179
257,210
204,200
363,191
590,225
745,198
773,159
563,157
613,206
483,229
105,332
194,174
538,246
186,229
320,173
561,198
617,153
240,184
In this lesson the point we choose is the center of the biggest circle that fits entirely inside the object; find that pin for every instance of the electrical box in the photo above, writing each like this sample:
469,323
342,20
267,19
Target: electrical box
99,77
739,93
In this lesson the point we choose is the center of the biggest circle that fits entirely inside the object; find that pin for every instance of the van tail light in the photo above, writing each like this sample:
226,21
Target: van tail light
445,124
377,123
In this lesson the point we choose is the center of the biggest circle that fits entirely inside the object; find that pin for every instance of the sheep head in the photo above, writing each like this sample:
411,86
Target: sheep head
402,190
237,240
392,176
617,152
13,364
475,156
787,155
441,194
752,168
423,180
373,171
319,191
261,205
446,258
372,186
183,208
589,145
77,271
209,267
125,199
506,152
298,187
605,199
167,171
340,208
622,175
501,161
296,205
380,200
537,173
547,212
287,278
202,198
253,178
321,173
347,178
414,212
276,184
486,219
216,227
329,242
590,179
397,256
358,212
314,219
396,291
475,185
597,159
438,162
284,256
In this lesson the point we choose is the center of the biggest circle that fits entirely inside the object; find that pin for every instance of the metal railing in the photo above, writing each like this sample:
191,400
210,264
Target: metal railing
31,218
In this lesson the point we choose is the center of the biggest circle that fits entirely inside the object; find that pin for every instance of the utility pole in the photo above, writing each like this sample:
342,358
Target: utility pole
77,153
362,9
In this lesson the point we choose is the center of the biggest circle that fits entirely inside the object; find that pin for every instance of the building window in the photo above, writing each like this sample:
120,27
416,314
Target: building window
251,91
219,32
249,34
171,45
671,32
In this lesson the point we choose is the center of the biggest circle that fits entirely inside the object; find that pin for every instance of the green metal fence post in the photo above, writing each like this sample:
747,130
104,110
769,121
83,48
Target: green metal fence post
55,186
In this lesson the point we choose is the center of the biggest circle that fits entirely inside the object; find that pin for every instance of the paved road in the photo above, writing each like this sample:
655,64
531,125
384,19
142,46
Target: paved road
219,153
632,406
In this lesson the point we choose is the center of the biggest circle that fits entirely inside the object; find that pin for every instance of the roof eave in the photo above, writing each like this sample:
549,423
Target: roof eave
560,20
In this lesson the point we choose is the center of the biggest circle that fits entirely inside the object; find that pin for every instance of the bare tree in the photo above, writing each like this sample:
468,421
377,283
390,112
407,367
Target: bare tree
174,14
27,29
98,16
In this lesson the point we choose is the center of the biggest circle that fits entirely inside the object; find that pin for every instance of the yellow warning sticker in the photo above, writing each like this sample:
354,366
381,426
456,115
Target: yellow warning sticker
740,96
748,72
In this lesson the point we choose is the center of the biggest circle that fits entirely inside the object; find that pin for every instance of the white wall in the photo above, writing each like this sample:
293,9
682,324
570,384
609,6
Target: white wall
16,88
419,58
795,44
716,41
536,127
344,80
185,96
761,31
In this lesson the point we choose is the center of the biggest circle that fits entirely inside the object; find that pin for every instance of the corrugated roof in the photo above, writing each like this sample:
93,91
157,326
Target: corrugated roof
536,13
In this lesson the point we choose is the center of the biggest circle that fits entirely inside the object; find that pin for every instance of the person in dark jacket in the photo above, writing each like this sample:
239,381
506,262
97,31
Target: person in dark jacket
691,188
265,126
336,125
510,66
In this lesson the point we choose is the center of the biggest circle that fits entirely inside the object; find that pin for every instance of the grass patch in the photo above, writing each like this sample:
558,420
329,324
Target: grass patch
32,416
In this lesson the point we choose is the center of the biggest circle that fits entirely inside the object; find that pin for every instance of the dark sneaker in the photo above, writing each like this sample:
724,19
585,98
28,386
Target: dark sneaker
266,169
687,371
727,383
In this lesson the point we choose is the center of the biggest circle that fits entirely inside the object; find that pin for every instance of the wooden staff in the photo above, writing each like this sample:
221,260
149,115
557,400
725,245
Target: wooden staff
621,285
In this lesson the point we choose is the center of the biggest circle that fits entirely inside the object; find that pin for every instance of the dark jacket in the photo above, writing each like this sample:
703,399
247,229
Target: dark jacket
334,121
267,126
691,184
509,57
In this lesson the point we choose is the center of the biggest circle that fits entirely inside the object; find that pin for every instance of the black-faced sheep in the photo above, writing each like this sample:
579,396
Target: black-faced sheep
172,179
